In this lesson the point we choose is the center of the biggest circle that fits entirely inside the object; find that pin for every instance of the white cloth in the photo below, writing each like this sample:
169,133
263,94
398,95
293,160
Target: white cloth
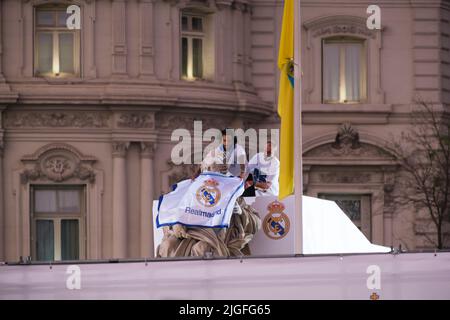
268,166
207,201
234,159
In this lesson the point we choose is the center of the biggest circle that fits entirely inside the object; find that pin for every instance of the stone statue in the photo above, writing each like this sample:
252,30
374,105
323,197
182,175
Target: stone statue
181,241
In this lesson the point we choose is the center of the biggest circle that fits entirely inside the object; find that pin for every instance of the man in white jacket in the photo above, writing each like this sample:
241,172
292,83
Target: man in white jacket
265,169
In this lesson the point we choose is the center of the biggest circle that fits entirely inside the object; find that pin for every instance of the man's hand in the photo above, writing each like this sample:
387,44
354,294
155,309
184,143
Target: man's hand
263,185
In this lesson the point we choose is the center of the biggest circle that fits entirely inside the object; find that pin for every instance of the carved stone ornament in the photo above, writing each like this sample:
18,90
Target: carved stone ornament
136,120
345,177
339,25
344,29
182,121
66,119
119,148
347,138
147,150
348,145
58,163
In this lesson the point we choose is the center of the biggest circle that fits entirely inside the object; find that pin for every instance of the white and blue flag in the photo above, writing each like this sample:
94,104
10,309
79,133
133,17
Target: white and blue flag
207,201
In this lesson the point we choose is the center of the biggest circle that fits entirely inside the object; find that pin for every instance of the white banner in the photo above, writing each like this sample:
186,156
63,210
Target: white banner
207,201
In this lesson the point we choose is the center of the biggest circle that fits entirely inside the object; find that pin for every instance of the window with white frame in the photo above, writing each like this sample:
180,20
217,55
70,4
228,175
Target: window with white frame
56,48
344,75
192,46
357,207
57,220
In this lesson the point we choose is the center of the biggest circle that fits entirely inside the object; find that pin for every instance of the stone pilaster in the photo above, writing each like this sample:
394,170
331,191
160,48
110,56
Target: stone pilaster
146,29
119,199
119,40
147,194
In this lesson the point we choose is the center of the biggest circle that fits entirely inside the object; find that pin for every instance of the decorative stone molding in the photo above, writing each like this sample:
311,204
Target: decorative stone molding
347,144
136,120
119,149
344,29
339,24
66,119
345,177
175,121
224,4
57,162
241,5
147,150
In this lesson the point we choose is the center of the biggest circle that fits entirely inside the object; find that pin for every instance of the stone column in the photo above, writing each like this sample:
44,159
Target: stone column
2,218
119,200
147,194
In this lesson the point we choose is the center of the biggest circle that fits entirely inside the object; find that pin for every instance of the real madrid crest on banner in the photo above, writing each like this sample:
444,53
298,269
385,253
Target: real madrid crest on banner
276,223
208,194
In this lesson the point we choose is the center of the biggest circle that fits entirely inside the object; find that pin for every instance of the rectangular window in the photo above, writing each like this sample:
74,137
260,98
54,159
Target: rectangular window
356,207
57,48
344,70
192,46
58,223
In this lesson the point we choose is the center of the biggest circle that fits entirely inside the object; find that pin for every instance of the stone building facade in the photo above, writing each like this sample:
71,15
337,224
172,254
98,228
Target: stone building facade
86,115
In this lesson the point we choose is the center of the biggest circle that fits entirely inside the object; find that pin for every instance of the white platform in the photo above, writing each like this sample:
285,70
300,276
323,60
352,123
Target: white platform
326,229
403,276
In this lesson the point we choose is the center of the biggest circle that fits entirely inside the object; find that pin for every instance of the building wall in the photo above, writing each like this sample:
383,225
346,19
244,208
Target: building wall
406,60
116,120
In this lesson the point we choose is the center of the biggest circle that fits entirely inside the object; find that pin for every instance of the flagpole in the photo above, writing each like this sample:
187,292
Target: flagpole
298,162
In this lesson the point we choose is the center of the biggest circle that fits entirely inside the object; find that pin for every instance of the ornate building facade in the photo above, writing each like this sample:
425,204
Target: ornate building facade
86,115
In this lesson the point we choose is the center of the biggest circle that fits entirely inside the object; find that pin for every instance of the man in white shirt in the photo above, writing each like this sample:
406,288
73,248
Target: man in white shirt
229,154
265,168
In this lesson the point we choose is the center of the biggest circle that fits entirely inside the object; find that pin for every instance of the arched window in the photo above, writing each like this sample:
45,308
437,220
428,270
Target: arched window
57,48
344,70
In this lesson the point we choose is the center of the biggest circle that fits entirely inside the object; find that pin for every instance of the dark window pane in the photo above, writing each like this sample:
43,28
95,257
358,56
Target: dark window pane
45,52
66,56
45,245
45,18
184,56
69,240
197,24
184,23
197,58
352,208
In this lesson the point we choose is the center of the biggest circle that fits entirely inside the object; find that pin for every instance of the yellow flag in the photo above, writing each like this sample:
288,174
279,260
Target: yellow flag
286,100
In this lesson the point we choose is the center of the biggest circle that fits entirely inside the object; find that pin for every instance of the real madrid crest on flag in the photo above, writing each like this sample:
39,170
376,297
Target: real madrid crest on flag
276,223
208,194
